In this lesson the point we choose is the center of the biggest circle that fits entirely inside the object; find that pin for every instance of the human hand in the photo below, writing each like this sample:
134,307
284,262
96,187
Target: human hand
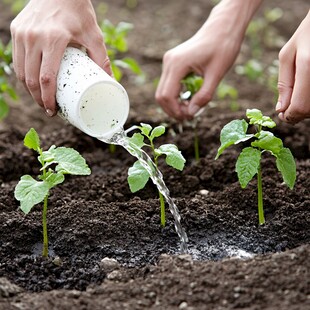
40,35
209,53
294,76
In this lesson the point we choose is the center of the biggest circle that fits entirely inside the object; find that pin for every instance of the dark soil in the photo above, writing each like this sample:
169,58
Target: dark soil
233,263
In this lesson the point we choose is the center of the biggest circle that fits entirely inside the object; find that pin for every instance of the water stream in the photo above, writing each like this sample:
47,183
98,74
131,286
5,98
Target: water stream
120,138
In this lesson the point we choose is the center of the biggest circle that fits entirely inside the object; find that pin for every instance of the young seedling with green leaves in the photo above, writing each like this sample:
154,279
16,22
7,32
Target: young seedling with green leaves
138,176
249,161
192,83
116,40
56,163
5,71
226,91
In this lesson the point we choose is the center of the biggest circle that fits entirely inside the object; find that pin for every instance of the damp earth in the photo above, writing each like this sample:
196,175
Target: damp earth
107,248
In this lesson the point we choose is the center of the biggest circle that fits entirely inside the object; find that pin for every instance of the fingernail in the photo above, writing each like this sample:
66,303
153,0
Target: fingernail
278,105
49,112
193,109
281,116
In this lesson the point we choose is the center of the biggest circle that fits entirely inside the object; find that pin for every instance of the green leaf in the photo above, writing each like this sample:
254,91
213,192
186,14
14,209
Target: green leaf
267,141
137,139
233,133
30,192
54,179
256,117
124,27
12,93
4,108
47,158
117,73
120,44
137,177
225,90
145,129
157,132
32,140
174,157
129,63
247,165
192,83
70,161
287,166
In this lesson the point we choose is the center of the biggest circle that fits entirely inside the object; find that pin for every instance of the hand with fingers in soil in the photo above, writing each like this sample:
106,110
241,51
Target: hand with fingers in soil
212,51
294,76
209,53
40,34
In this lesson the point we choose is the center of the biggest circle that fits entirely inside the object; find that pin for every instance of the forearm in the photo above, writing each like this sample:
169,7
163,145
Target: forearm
235,15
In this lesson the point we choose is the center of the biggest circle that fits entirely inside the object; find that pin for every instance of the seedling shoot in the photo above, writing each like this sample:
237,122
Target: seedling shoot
192,83
249,161
55,162
138,176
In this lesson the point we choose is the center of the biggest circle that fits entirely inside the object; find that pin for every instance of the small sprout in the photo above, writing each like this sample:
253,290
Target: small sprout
5,70
252,69
249,161
226,91
116,41
138,176
191,84
55,162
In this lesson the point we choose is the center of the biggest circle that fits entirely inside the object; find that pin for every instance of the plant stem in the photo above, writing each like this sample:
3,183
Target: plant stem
196,145
261,218
44,224
112,148
162,210
161,197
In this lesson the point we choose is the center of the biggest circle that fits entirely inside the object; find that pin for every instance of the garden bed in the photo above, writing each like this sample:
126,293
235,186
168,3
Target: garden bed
233,263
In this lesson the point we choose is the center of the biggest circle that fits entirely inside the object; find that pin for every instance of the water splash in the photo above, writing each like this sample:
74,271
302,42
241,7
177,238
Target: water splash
120,138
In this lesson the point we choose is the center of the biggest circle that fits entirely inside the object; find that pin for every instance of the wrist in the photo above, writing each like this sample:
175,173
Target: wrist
234,15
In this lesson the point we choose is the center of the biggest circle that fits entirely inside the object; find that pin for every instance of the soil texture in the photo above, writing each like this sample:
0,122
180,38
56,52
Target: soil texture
107,249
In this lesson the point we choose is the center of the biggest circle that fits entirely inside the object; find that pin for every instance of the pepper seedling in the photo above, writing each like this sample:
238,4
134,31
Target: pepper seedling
138,176
56,162
192,83
249,161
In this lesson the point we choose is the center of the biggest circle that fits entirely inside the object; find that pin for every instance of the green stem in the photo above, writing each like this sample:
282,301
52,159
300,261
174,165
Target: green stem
162,210
161,197
44,215
261,217
196,145
112,148
44,224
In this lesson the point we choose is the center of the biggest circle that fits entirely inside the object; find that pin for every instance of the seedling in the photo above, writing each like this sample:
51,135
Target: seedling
138,176
56,162
192,83
252,69
261,32
116,40
249,161
226,91
5,71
